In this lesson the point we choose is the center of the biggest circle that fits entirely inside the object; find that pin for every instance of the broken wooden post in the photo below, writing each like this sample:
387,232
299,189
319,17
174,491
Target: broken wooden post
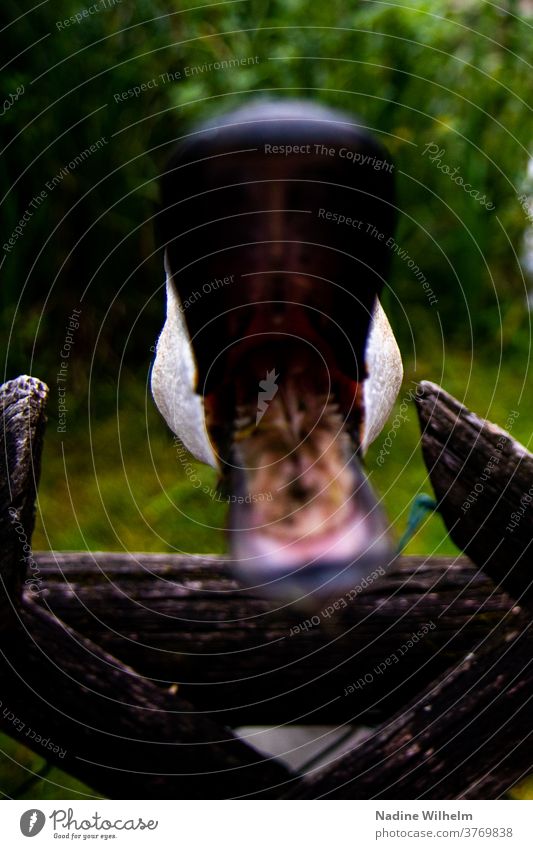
22,405
483,480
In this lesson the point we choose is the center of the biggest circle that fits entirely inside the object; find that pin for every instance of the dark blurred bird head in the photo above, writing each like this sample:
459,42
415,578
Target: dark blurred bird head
276,363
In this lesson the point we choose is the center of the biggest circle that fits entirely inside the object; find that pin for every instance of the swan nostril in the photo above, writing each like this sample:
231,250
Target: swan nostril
299,492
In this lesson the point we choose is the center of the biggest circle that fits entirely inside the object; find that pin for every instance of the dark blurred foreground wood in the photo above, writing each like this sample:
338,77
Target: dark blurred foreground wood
130,670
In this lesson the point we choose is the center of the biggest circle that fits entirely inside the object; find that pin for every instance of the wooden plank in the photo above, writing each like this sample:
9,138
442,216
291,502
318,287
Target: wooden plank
184,620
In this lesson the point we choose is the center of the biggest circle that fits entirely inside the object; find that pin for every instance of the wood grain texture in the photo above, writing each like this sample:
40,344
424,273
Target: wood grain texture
466,737
184,620
483,480
22,406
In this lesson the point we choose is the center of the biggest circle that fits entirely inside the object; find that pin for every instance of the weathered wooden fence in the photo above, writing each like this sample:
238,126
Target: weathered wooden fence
130,670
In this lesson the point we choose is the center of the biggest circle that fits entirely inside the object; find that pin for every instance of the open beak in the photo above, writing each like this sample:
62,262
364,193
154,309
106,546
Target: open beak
335,539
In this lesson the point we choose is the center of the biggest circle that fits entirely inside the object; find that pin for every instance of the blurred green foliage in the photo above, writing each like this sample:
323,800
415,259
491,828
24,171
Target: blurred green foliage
457,75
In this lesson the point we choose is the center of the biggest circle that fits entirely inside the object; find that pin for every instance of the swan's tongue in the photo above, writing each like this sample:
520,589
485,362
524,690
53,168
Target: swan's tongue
304,520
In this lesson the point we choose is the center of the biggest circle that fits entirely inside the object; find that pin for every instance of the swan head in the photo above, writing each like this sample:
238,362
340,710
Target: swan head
276,363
